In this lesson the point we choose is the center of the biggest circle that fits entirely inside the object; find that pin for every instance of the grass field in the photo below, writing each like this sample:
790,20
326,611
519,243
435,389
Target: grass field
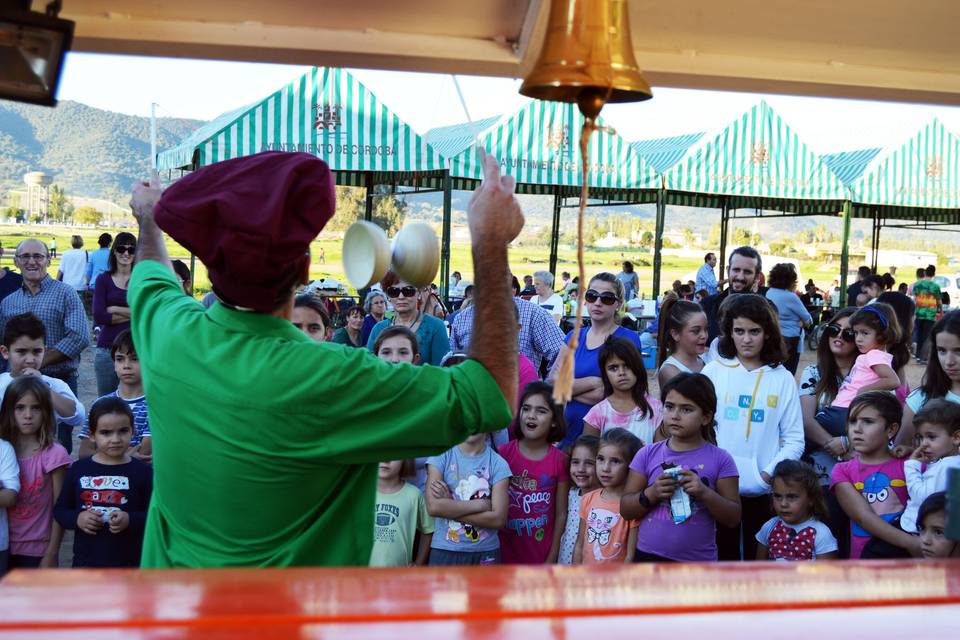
524,259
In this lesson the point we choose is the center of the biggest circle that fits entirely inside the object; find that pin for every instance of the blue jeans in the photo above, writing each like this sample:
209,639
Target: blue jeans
65,431
107,381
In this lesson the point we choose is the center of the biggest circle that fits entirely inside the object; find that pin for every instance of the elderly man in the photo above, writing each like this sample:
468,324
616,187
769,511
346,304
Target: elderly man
706,279
59,308
247,412
546,298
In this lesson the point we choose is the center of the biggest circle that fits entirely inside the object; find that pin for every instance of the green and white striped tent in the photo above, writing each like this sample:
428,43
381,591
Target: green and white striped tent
539,146
755,162
663,153
328,113
918,181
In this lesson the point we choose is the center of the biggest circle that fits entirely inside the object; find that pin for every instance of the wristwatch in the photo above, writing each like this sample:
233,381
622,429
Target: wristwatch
644,500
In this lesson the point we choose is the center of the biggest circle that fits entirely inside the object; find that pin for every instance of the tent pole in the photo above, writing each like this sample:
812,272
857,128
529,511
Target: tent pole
844,253
193,272
875,240
724,220
445,233
368,210
658,240
555,234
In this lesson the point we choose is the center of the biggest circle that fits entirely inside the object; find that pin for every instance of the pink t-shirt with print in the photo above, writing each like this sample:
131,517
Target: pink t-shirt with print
603,416
861,375
30,520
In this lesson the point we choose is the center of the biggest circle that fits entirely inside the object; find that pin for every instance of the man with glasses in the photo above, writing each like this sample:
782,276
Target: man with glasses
59,308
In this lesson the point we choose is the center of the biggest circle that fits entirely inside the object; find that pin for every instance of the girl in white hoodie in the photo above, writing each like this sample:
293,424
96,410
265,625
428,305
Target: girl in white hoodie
759,421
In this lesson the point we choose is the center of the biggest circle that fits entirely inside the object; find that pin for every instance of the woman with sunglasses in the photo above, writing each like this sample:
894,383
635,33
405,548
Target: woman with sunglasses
819,384
603,299
110,311
431,333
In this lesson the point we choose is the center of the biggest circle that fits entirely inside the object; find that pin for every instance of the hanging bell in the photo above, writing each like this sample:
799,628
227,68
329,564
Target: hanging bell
587,57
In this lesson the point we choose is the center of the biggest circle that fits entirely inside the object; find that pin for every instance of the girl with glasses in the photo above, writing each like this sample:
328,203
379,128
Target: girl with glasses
603,299
110,310
431,333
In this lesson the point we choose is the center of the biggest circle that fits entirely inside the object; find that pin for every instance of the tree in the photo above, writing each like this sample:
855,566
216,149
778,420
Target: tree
59,208
741,237
646,240
688,236
388,211
87,215
10,213
713,237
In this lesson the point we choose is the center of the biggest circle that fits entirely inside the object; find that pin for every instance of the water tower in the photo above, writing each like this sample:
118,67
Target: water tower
38,194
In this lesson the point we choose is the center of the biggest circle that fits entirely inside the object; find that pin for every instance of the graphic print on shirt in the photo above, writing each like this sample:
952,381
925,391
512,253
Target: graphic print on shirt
599,524
877,488
534,498
786,543
748,410
103,494
30,500
473,487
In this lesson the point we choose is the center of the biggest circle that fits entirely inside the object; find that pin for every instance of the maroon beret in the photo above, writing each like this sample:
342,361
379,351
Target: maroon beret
250,220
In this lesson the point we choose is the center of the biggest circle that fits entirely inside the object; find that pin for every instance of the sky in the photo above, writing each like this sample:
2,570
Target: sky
203,89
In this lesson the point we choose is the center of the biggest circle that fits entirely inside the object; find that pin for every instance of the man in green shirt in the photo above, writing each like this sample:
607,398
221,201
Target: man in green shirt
266,443
929,302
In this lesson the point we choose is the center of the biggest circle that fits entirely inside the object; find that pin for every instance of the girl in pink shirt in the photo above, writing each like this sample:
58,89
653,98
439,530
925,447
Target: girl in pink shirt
538,488
875,327
27,422
626,404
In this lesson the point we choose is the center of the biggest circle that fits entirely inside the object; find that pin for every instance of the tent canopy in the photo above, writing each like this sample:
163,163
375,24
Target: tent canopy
326,112
755,162
919,180
539,146
663,153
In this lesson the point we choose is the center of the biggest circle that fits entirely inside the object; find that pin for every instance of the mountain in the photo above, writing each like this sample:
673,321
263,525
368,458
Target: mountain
87,151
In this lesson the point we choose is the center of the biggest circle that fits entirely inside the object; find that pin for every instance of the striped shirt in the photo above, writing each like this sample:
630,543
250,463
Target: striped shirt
59,308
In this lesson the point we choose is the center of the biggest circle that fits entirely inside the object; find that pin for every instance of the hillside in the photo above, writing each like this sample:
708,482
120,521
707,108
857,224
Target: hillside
90,152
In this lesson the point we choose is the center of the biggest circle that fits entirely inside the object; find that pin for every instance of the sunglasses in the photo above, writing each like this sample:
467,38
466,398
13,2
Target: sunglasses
834,330
606,297
125,248
408,292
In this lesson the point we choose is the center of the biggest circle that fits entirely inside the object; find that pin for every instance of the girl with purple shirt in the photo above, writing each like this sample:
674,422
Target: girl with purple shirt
708,478
111,314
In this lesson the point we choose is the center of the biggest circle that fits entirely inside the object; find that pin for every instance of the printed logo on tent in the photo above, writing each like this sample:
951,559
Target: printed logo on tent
327,116
760,155
558,139
935,167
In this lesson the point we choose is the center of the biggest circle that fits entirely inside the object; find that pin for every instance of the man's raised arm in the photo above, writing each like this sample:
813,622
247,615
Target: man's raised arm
495,220
150,243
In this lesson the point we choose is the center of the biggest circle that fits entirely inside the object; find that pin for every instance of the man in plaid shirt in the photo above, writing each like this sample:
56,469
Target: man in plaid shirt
540,338
59,308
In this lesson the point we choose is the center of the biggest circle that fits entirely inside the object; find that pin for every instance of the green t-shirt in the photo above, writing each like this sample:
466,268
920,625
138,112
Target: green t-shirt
398,517
266,443
926,294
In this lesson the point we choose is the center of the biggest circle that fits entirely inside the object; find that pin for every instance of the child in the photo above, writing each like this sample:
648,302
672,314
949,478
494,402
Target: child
130,390
311,317
708,478
467,494
626,403
606,536
681,340
875,326
937,427
105,497
871,488
798,531
9,488
23,347
401,513
759,421
397,344
538,487
27,422
941,378
934,542
583,474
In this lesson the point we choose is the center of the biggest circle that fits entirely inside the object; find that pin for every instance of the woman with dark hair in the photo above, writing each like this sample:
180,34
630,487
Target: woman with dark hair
310,316
431,333
350,333
111,314
628,278
941,379
758,413
793,316
604,298
903,308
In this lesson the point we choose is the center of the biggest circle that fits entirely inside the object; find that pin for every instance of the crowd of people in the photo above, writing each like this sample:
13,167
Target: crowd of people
731,459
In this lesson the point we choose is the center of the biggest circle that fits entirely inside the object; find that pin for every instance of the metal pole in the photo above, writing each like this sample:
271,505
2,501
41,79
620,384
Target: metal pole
658,240
724,223
153,136
875,240
844,252
445,234
555,235
368,211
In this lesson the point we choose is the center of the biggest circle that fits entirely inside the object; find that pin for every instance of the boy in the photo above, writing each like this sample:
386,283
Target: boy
127,366
105,497
937,427
401,513
23,348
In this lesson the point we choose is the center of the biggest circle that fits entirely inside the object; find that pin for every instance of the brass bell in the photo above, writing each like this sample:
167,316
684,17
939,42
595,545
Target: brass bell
587,57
